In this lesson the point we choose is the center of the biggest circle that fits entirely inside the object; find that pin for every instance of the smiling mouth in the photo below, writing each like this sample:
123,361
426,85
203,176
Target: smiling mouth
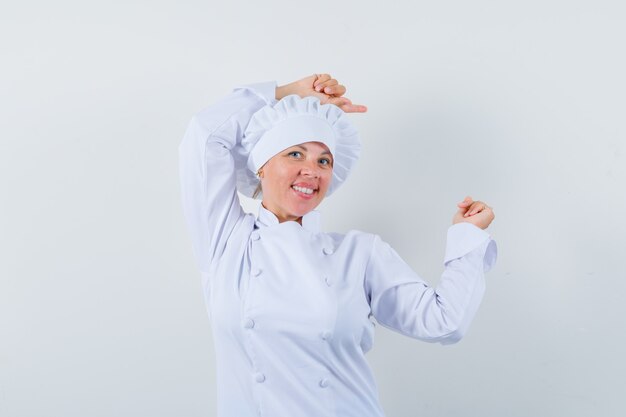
303,190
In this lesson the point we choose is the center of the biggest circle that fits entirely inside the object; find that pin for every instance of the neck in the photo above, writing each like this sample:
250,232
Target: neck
283,217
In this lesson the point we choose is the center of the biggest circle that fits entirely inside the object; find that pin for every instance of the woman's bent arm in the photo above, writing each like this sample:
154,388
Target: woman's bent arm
207,169
402,301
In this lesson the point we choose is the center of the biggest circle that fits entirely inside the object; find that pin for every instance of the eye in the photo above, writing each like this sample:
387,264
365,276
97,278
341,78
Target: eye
326,161
295,154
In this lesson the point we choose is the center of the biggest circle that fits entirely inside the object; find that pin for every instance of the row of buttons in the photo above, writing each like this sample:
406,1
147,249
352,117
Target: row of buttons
248,323
257,271
327,250
260,378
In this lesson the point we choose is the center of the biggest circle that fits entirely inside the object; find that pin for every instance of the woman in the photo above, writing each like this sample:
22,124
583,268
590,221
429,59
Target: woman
291,306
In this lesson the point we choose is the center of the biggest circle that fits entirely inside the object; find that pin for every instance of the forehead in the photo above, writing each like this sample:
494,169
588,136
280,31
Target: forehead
314,147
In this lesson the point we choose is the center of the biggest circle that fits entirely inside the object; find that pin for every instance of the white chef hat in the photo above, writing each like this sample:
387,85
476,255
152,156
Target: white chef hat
292,121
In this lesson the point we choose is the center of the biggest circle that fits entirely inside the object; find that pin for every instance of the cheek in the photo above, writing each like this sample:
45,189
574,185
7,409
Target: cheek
327,177
276,175
283,170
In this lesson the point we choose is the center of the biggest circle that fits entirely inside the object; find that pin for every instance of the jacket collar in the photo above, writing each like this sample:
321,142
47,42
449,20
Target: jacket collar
310,221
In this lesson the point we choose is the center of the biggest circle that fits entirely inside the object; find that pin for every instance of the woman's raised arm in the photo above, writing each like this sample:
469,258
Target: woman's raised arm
404,302
207,168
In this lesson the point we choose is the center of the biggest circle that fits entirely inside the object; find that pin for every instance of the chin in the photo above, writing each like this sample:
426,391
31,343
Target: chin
301,209
299,212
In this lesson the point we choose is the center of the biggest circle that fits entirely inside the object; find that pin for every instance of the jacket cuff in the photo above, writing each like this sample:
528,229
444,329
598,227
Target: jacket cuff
265,90
463,238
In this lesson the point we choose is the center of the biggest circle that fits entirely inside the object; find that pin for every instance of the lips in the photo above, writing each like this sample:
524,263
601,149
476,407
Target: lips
303,190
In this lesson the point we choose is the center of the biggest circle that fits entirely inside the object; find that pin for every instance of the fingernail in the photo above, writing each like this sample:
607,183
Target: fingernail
318,88
328,89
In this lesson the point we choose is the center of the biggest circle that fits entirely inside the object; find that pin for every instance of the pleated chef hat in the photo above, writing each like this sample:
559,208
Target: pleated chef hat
292,121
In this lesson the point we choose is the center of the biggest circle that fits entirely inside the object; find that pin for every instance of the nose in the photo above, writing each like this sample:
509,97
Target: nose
311,170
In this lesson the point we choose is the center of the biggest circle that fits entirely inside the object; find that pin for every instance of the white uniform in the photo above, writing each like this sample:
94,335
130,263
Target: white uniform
291,305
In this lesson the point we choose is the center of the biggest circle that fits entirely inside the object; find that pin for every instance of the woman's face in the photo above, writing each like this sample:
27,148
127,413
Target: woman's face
295,180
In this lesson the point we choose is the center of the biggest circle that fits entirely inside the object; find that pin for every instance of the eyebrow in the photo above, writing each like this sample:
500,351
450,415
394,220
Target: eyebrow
306,150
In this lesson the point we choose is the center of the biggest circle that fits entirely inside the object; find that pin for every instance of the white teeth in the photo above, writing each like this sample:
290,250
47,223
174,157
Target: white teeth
302,189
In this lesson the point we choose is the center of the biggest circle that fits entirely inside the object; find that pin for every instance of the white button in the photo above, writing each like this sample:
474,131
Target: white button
328,251
326,335
248,323
323,382
259,377
328,280
255,236
256,272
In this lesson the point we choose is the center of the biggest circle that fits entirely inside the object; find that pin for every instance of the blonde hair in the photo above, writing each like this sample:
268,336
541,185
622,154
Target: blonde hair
257,191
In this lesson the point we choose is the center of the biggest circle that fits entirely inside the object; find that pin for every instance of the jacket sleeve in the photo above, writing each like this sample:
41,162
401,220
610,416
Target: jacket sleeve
207,168
402,301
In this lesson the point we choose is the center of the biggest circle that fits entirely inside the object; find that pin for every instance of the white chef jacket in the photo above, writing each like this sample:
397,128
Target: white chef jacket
290,305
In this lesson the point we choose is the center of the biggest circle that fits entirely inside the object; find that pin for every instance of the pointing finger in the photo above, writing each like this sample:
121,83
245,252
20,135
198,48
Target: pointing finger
346,105
353,108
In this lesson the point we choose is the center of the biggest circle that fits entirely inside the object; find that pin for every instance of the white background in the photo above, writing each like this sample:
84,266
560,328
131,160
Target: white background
520,104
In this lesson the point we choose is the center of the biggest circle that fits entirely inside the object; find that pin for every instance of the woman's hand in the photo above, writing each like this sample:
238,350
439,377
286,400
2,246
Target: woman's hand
324,87
475,212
